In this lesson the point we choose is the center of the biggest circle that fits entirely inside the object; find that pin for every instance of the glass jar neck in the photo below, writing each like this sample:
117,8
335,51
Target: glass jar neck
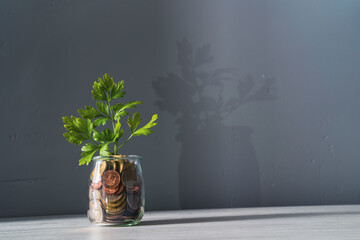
117,157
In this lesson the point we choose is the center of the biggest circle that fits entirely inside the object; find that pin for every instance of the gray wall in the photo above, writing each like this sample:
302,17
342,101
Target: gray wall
258,101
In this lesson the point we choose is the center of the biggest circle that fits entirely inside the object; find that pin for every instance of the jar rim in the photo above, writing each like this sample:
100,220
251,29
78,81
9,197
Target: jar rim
112,157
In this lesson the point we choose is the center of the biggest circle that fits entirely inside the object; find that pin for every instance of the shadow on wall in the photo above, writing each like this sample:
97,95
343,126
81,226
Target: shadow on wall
218,165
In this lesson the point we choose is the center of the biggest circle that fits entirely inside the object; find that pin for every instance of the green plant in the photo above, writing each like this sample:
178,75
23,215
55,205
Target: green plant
83,129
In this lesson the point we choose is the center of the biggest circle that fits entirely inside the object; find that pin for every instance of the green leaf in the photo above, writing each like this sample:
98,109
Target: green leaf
146,129
99,92
117,106
86,157
100,121
75,137
143,131
105,149
89,113
116,109
134,121
107,83
152,122
89,147
105,136
89,150
117,126
118,131
116,91
79,125
121,110
103,108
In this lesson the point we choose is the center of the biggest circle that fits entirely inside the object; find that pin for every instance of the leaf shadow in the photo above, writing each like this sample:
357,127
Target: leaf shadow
218,165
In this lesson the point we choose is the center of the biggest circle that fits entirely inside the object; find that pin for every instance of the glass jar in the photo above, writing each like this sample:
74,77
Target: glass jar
116,191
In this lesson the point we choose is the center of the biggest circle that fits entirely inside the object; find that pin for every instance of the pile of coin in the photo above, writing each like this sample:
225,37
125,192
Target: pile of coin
115,192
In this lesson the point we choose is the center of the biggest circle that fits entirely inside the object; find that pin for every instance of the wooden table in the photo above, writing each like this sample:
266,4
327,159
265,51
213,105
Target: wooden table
312,222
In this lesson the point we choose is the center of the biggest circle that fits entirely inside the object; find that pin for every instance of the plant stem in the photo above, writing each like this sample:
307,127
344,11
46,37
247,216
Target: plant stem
113,123
94,142
115,148
124,142
112,115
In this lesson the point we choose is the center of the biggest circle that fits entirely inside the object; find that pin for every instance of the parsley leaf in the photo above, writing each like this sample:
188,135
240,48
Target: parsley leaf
146,129
89,113
106,135
120,111
100,121
75,137
105,149
134,122
103,108
89,150
99,92
107,82
79,129
116,91
119,132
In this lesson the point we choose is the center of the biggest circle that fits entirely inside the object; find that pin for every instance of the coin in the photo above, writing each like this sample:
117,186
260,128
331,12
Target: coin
111,205
116,210
96,186
121,165
121,189
128,164
102,169
111,191
112,165
129,177
111,179
133,200
111,197
135,189
113,217
130,214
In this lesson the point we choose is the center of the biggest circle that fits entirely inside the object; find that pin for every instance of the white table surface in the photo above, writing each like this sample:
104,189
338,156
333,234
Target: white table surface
311,222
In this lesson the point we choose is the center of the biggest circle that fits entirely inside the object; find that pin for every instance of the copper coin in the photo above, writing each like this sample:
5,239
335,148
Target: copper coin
111,179
96,186
113,217
111,198
121,189
115,197
111,191
135,189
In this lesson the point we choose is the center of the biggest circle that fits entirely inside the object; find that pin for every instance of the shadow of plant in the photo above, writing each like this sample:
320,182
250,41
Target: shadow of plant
218,165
